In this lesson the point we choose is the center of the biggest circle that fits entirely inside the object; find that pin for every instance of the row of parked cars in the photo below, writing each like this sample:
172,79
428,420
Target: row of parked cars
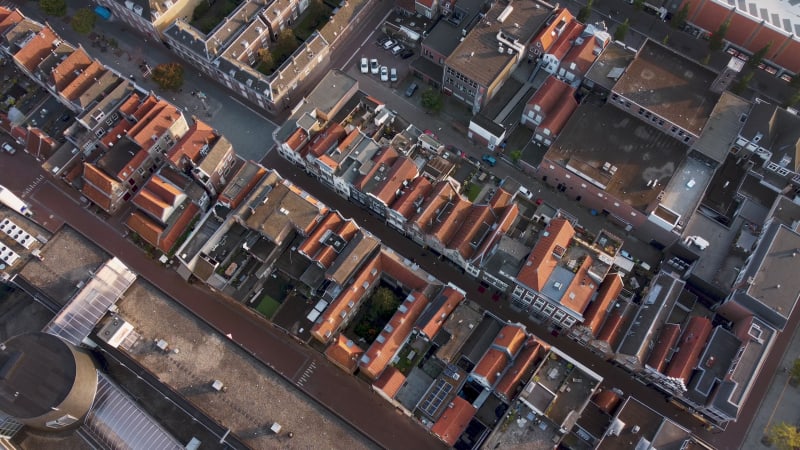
395,47
374,67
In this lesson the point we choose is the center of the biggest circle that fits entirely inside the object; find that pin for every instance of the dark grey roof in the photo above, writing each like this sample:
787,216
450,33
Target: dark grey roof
190,38
488,124
714,363
118,156
446,34
722,127
480,339
221,37
777,130
610,65
37,371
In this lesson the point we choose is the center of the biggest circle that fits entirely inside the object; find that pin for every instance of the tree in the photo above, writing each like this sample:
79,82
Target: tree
515,155
286,43
679,19
717,39
432,100
83,21
794,372
758,56
267,61
638,5
742,84
784,436
168,76
585,11
384,302
56,8
622,30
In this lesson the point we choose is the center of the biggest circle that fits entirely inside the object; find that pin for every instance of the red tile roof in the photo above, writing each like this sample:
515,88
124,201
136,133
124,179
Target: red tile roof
506,218
690,345
154,124
86,78
239,187
65,72
36,49
565,41
179,226
664,344
130,104
454,421
610,331
145,106
188,148
500,198
548,36
315,249
115,135
453,299
426,3
158,198
479,218
445,223
99,179
96,196
510,339
491,366
556,101
9,18
416,192
390,381
146,228
297,139
597,310
325,140
344,353
607,400
402,170
393,264
523,363
392,337
541,262
583,55
580,289
347,301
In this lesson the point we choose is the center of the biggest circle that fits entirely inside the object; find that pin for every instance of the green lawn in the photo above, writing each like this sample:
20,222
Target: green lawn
268,306
472,191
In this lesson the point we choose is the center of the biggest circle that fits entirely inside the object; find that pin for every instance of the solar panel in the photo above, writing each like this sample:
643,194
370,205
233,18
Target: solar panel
436,395
118,422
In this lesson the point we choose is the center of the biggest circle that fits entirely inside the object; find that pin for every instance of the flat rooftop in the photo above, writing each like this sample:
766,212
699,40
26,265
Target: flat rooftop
686,187
670,85
67,259
722,127
776,14
459,326
596,135
255,397
657,430
610,65
477,57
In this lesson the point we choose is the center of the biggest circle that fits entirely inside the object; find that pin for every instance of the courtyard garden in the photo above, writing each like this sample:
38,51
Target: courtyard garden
374,314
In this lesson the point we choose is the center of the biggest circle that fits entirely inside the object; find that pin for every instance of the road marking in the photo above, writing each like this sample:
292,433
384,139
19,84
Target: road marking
369,38
254,111
33,185
306,373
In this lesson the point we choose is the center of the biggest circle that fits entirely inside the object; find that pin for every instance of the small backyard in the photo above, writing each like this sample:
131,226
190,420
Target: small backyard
373,315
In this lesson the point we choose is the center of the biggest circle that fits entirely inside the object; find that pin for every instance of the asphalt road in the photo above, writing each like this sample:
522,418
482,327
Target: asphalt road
305,368
614,376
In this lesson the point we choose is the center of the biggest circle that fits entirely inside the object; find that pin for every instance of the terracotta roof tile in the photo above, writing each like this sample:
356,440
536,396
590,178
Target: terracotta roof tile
454,421
297,139
96,196
145,106
344,353
9,18
134,163
541,262
325,140
491,366
507,216
583,55
200,135
151,203
510,339
522,365
556,102
36,49
500,198
130,104
312,244
663,345
548,36
98,178
392,264
453,299
580,289
65,72
597,310
155,123
381,160
392,337
611,329
447,222
415,194
479,218
145,227
179,226
117,133
86,78
692,342
347,301
390,381
607,400
164,189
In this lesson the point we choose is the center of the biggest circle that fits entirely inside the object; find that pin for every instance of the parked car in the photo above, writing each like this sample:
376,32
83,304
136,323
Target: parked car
389,44
384,73
393,75
489,159
382,40
473,160
397,49
407,53
411,89
364,65
374,67
525,192
9,148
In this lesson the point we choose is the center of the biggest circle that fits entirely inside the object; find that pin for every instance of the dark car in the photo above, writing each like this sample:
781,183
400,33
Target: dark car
382,40
489,159
407,53
411,89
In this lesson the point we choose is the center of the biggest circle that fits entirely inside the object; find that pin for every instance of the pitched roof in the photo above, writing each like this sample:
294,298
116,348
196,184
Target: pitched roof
393,335
549,34
96,196
67,70
36,49
412,197
541,262
597,310
611,328
297,139
242,183
344,353
147,228
130,105
199,136
566,39
86,78
515,374
580,289
663,345
390,381
325,140
402,169
583,55
510,339
500,199
477,223
348,300
690,345
438,311
159,198
316,245
99,179
154,124
491,365
9,18
284,206
454,421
